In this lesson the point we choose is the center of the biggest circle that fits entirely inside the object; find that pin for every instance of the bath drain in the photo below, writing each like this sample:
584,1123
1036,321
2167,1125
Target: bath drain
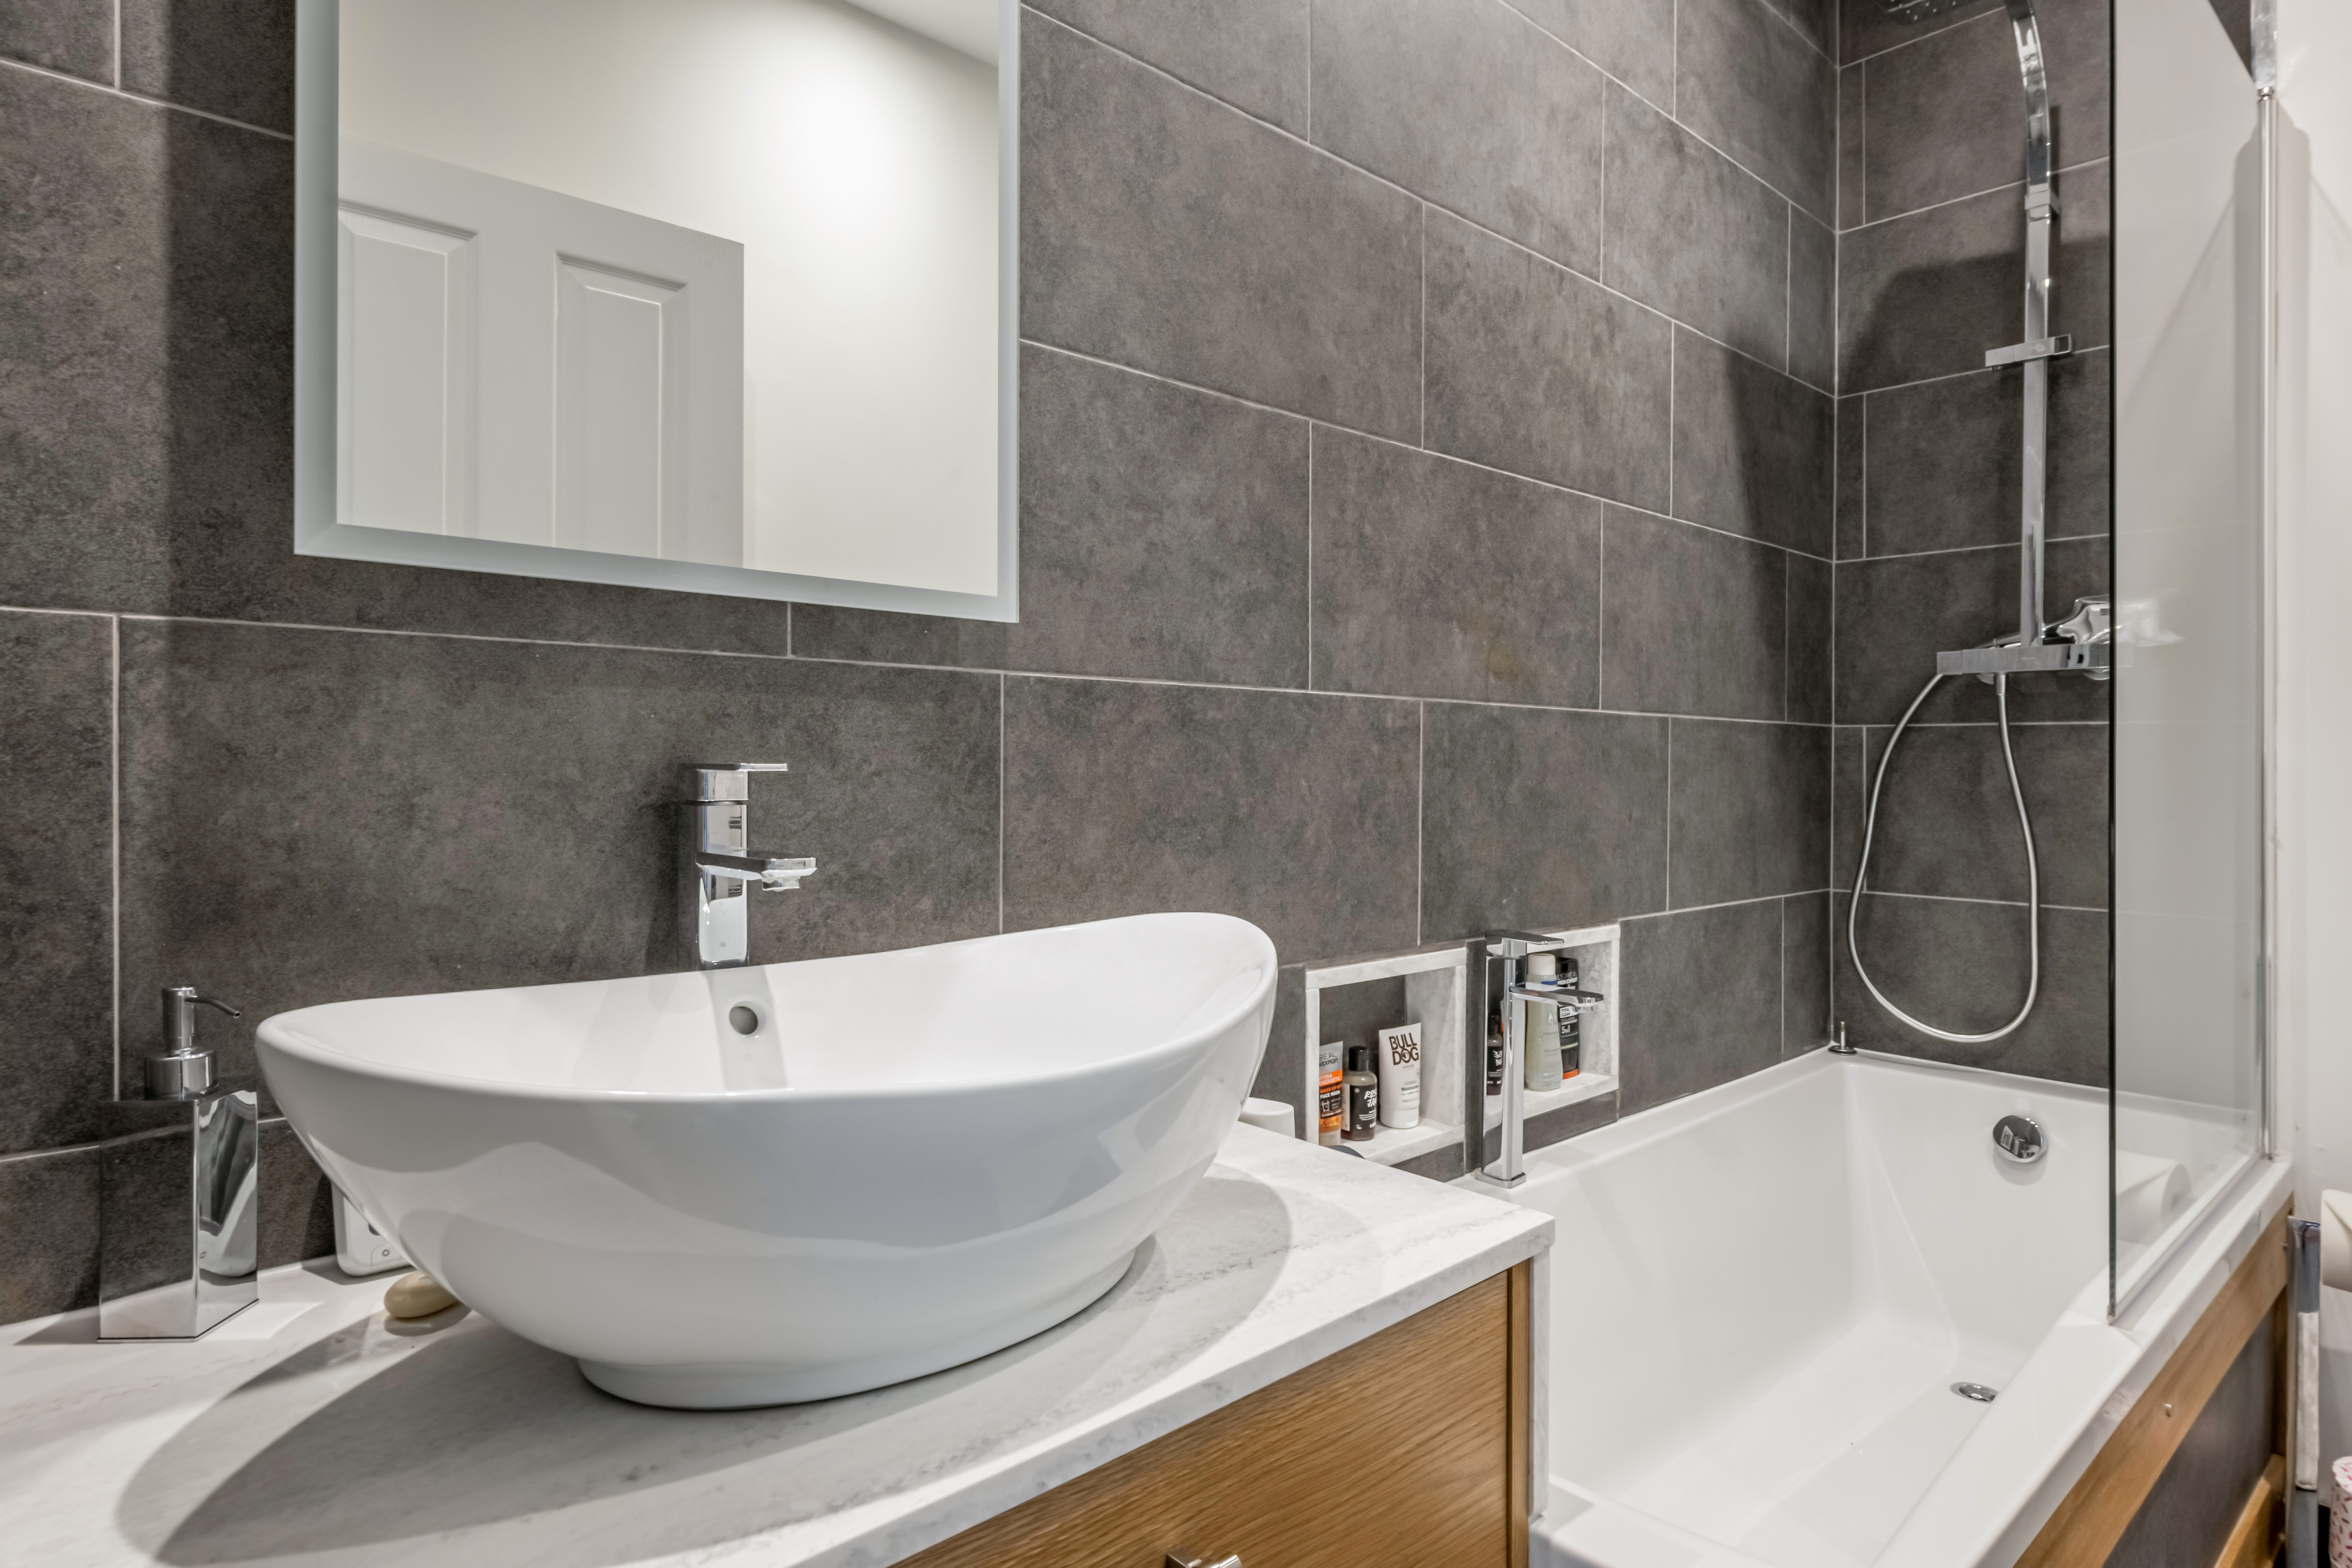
1976,1391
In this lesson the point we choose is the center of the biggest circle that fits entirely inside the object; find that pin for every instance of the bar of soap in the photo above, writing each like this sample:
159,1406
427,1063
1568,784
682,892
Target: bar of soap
416,1295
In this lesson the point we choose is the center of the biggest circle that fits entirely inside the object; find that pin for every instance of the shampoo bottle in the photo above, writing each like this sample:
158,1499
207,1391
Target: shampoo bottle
1541,1044
1398,1062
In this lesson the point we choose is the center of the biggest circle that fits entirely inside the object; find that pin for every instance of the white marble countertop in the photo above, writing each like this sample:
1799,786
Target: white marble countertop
306,1430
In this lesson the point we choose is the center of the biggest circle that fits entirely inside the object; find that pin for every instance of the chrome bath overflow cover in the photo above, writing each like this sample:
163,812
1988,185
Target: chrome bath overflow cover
2019,1138
1976,1391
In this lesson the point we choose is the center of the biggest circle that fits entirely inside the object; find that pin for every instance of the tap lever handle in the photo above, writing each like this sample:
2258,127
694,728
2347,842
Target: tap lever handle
180,1004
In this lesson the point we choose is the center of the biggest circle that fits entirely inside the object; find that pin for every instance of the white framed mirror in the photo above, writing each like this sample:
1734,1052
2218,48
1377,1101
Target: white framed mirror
711,295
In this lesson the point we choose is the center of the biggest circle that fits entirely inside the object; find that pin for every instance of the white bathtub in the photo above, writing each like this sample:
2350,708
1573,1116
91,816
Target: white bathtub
1760,1295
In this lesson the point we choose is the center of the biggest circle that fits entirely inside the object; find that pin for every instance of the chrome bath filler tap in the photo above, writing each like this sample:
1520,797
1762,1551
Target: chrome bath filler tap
718,868
2082,643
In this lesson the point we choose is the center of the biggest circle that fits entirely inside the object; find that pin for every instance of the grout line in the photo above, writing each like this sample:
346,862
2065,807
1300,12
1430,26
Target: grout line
1954,899
977,670
1311,67
1729,904
1675,62
1787,634
788,630
1863,500
21,1156
999,802
114,835
1959,375
1966,548
1670,813
100,86
1862,175
2018,184
1601,265
1434,452
118,81
1420,838
1788,296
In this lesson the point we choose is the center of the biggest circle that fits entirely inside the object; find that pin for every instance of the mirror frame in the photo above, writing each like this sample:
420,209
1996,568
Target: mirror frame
317,529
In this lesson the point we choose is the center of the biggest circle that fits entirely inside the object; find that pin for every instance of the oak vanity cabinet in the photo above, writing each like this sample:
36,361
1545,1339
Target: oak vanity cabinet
1408,1449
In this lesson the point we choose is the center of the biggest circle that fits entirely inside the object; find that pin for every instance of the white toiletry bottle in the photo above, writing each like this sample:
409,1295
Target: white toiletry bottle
1398,1062
1540,1055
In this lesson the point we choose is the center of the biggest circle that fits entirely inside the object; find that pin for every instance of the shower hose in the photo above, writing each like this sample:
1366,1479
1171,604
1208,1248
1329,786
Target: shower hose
2033,876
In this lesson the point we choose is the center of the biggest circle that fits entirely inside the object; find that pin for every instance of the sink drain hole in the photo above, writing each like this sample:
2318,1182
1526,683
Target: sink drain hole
743,1020
1976,1391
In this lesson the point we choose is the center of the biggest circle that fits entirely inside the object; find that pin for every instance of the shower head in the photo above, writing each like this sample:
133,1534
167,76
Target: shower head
1917,10
1920,10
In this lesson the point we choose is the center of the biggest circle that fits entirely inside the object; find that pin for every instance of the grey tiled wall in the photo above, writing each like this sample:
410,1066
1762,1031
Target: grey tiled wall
1428,516
1930,248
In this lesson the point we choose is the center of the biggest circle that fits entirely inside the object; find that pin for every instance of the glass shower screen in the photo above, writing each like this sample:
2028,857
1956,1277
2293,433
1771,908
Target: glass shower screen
2187,931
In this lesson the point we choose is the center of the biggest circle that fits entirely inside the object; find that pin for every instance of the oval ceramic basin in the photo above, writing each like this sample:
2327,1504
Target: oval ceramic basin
911,1160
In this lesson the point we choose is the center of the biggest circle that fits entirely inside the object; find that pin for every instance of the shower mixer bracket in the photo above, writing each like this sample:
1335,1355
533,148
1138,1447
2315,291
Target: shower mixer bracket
2057,658
2058,347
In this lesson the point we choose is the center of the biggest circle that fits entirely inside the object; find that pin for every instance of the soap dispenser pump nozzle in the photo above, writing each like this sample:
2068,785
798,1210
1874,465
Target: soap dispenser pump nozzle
182,1072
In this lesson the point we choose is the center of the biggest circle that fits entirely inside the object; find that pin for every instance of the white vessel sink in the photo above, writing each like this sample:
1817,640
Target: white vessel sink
914,1159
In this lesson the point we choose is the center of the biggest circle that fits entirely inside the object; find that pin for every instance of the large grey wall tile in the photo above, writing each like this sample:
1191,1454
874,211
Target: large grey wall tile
48,1212
1163,536
1944,457
297,1202
1750,806
1162,230
1434,578
1805,1020
1812,647
76,36
1536,371
56,786
1251,53
1946,118
1536,820
1754,449
233,57
1693,234
1963,968
1293,811
1632,40
1864,28
1469,104
1748,79
1702,1001
1692,621
1926,294
1812,302
1947,824
146,402
1894,613
314,816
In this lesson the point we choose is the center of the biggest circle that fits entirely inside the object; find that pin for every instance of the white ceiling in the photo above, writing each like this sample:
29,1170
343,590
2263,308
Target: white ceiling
966,25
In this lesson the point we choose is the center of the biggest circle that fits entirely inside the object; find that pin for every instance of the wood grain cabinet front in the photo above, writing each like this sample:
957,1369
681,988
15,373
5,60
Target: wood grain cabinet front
1410,1449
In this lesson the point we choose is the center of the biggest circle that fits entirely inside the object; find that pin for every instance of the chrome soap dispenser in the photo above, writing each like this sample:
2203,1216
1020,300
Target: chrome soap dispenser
179,1192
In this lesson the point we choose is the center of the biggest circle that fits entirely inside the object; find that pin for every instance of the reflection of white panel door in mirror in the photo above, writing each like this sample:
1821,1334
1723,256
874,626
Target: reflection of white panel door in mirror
523,365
